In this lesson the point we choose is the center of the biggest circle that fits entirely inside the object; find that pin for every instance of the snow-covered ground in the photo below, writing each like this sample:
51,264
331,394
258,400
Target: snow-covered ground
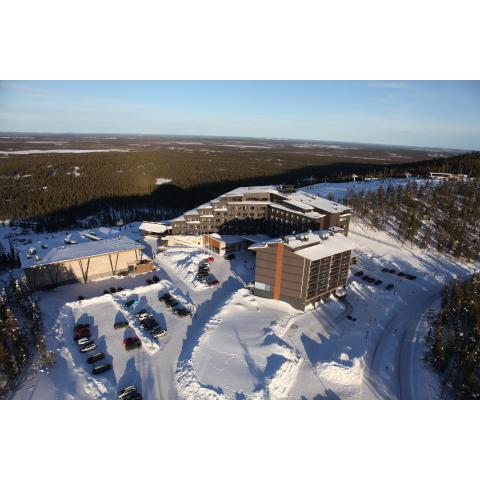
238,346
340,190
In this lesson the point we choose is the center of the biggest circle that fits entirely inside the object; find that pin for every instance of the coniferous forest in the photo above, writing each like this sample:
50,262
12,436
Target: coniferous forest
454,338
58,189
445,216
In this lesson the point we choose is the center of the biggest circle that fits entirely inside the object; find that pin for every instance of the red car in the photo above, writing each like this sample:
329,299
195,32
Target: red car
132,342
210,259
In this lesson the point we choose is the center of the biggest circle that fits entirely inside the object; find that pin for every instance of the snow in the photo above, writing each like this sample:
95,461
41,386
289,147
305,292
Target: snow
81,250
238,346
61,150
162,181
340,190
244,146
154,227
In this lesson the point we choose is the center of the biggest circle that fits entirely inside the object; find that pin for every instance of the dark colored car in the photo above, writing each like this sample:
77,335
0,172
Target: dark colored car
120,289
95,357
210,259
80,298
106,292
105,367
371,280
378,282
132,342
131,389
80,326
134,396
164,297
410,277
359,273
181,311
120,324
229,256
81,336
149,281
392,270
141,312
401,274
172,303
158,331
113,289
385,270
155,279
211,281
389,286
131,303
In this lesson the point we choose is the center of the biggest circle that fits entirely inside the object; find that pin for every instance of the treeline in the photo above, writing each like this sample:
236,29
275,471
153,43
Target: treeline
21,335
445,216
62,188
9,259
454,338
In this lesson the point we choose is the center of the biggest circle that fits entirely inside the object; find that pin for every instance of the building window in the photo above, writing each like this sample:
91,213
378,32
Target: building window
263,286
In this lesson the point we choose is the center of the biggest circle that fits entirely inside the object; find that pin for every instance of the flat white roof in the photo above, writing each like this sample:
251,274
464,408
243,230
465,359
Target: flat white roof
334,244
66,253
319,202
154,227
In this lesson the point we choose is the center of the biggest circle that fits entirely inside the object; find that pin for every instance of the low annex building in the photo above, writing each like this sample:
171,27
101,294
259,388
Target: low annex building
81,262
271,210
302,269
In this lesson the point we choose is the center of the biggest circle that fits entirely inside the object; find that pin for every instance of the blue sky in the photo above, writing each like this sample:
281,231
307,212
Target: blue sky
429,113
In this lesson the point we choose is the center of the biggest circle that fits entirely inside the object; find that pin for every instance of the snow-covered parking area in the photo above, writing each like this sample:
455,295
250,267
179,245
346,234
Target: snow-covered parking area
238,346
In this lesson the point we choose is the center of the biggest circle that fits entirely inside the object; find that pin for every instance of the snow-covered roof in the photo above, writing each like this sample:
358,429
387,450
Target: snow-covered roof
311,245
154,227
332,245
319,202
65,253
227,239
252,189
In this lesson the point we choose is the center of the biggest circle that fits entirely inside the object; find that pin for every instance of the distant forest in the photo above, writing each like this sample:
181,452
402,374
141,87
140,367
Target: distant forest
57,189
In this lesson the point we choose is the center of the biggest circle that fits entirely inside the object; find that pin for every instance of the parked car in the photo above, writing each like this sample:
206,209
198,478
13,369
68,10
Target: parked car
149,281
410,277
389,286
385,270
83,340
120,289
80,326
210,259
134,396
172,303
126,391
164,297
80,335
131,303
80,298
159,332
359,273
121,324
401,274
229,256
211,281
141,312
378,282
95,357
155,279
105,367
181,311
392,270
106,292
88,347
113,289
132,342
